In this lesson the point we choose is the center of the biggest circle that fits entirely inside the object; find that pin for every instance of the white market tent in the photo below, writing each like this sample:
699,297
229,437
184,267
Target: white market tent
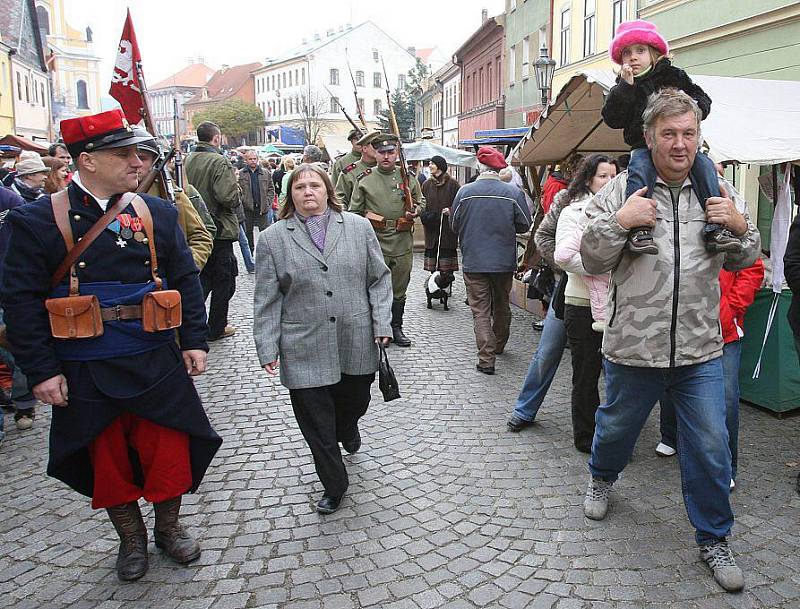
751,121
420,151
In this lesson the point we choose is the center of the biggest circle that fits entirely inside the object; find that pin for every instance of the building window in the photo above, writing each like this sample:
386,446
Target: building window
526,57
303,74
334,79
27,90
377,80
283,80
401,82
272,84
44,20
619,12
512,65
376,107
589,9
360,102
334,105
359,78
296,77
290,78
375,56
564,51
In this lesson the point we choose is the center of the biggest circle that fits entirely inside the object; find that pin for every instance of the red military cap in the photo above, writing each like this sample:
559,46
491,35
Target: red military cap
98,132
491,157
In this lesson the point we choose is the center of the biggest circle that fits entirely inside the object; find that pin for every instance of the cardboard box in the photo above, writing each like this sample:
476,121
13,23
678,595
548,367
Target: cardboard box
519,298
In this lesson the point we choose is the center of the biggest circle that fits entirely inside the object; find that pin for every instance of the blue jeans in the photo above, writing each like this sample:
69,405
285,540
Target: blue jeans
246,253
731,355
542,368
698,394
642,172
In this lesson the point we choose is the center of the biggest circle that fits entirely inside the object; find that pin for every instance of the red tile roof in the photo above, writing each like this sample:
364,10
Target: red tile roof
193,75
225,83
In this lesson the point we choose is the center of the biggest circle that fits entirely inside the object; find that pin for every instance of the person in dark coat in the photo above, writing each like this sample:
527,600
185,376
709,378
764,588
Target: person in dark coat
440,241
127,421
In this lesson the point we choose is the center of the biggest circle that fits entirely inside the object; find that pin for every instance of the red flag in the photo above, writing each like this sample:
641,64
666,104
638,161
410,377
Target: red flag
125,87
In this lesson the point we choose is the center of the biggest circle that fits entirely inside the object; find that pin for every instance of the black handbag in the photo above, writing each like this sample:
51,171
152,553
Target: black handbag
386,379
542,284
558,296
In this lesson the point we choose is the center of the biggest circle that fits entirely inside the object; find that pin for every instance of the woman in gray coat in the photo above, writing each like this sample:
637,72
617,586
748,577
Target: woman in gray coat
323,299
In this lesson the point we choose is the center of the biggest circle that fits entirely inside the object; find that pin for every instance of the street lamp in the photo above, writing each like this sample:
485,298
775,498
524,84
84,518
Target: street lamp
544,66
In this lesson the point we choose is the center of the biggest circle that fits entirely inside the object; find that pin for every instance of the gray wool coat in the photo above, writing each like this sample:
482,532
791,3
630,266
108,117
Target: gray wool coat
321,311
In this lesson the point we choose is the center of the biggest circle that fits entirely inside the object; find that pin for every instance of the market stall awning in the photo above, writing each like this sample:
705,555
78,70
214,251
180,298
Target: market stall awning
420,151
23,143
751,121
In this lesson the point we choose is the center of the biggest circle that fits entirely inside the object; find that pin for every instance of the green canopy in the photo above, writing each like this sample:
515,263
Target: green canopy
270,149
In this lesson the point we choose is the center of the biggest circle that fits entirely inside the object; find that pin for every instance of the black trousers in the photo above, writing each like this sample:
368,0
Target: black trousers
587,361
253,218
217,279
329,415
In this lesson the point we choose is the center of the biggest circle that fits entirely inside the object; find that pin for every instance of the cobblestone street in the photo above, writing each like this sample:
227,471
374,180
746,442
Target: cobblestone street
446,508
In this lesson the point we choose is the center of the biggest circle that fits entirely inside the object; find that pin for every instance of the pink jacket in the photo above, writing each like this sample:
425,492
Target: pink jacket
596,284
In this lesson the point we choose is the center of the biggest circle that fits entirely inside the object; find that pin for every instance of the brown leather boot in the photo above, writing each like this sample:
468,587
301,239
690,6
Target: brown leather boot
170,536
132,556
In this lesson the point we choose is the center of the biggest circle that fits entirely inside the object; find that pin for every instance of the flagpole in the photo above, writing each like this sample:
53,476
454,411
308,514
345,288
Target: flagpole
164,183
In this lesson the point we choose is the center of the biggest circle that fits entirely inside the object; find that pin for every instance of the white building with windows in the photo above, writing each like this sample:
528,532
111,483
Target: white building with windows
317,72
449,79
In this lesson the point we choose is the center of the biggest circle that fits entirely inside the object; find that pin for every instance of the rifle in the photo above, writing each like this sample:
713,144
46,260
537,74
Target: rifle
159,171
355,95
164,180
346,115
408,202
176,147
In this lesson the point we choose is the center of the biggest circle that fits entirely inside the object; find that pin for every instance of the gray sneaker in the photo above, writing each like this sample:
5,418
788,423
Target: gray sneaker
719,558
595,506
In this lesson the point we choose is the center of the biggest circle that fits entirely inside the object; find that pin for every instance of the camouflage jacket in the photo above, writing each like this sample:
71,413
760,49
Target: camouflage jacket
663,310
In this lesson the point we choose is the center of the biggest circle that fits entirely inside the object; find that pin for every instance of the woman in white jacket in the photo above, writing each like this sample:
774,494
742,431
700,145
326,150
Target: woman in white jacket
584,342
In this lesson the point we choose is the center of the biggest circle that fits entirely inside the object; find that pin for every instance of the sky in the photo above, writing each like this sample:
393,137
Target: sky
171,31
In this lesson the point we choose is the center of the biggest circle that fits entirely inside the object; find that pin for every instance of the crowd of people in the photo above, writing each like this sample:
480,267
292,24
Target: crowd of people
653,256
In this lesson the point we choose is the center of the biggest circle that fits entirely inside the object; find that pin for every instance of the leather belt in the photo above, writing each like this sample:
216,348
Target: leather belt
121,312
390,223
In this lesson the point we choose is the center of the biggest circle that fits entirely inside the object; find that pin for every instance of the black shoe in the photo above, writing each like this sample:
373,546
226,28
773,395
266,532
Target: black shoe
328,505
516,424
640,241
400,339
722,240
584,448
353,444
485,369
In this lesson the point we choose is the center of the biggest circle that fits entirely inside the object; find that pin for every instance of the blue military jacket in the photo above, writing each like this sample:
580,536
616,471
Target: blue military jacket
152,383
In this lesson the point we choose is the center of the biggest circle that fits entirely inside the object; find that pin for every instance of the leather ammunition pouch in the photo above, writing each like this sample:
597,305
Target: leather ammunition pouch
75,317
161,310
379,222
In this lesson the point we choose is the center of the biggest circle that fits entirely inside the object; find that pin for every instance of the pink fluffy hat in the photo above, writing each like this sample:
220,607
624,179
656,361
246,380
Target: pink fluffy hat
636,32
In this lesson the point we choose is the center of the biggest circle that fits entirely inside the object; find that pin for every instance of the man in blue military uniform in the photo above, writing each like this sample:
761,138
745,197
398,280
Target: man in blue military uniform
127,421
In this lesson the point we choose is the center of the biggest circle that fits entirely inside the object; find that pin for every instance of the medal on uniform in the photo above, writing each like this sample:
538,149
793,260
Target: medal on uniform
125,221
137,228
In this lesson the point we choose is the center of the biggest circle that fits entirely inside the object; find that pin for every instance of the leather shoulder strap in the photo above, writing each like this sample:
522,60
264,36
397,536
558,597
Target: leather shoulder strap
143,211
74,251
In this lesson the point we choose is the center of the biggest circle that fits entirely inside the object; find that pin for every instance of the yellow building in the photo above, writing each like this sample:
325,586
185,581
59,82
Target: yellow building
72,62
582,33
6,92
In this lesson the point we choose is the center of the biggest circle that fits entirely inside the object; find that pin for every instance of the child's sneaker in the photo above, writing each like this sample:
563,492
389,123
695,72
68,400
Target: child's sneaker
599,326
722,240
640,241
